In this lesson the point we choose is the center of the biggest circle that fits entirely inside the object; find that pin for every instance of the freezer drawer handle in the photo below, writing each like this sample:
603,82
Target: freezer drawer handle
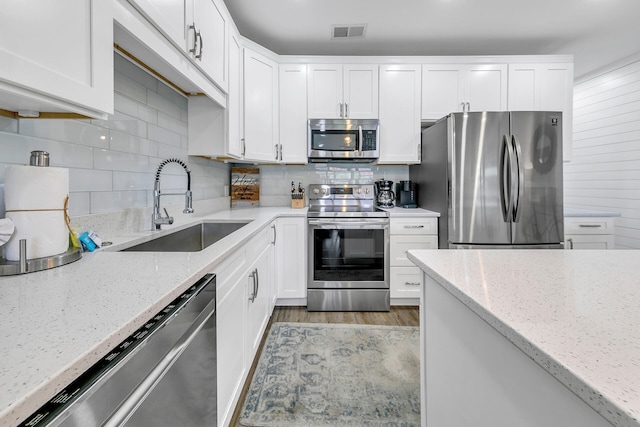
590,225
137,396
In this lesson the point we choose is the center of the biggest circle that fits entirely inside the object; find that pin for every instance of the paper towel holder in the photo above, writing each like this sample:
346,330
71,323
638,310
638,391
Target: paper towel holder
24,265
39,158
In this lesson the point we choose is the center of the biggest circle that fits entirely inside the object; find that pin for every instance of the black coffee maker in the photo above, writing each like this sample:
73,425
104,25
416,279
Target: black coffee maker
407,194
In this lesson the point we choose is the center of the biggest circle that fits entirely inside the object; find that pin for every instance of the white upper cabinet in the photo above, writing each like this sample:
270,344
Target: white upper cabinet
260,107
448,88
57,57
343,91
235,143
544,87
293,114
400,114
197,27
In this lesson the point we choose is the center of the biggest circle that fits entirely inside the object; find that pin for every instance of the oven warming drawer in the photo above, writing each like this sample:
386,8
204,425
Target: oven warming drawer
348,299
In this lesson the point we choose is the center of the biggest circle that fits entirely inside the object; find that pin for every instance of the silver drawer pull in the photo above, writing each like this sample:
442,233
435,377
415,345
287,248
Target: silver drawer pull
414,226
412,283
590,225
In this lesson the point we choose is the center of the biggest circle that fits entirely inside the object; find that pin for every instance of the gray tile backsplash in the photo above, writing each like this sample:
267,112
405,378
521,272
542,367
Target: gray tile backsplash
112,162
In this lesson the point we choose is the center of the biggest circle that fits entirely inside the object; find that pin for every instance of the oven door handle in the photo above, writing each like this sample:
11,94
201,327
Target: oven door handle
332,225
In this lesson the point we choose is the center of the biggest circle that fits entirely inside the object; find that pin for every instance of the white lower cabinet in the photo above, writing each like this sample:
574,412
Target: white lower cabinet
588,233
291,261
409,233
244,294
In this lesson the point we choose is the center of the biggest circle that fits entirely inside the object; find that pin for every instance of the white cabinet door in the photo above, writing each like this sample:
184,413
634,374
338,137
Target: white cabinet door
360,91
169,17
544,87
293,114
406,282
442,90
230,336
291,260
325,91
211,55
260,107
235,144
448,88
486,87
259,291
400,114
57,56
343,91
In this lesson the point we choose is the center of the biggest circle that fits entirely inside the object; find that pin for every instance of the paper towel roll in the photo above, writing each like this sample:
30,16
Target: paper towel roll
35,187
46,233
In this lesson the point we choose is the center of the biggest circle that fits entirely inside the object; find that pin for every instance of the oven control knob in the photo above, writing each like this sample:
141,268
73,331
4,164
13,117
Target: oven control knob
366,191
359,190
324,191
316,191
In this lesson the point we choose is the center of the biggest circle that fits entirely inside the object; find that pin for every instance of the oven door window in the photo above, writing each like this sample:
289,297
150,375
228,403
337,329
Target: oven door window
348,255
334,140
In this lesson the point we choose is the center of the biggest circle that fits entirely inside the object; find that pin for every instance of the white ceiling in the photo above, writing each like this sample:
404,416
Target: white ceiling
596,32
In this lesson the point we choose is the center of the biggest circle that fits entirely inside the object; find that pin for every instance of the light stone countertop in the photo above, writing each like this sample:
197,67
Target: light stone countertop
575,313
57,323
580,212
407,212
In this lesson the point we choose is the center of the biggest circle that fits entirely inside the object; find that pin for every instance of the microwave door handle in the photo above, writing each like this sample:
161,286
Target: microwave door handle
359,146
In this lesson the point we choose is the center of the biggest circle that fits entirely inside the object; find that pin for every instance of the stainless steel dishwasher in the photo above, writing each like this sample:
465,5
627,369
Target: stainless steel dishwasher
162,375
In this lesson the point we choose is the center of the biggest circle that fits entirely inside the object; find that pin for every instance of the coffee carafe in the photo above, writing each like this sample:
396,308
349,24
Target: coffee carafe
385,197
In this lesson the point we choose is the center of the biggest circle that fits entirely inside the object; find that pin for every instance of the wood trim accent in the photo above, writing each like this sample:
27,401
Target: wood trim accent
8,113
153,72
44,115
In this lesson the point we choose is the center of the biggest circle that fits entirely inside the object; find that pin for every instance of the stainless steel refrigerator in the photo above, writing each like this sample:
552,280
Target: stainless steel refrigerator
495,178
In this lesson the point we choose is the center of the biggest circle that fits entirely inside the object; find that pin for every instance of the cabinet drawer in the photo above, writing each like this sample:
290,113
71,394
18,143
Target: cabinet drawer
228,272
588,241
592,225
414,226
401,244
406,282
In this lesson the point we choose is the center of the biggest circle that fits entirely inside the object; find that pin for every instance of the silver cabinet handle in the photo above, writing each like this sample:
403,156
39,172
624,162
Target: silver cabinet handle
346,110
257,284
195,38
275,234
199,55
414,226
463,106
590,225
276,151
412,283
252,298
137,396
280,152
244,146
468,106
570,241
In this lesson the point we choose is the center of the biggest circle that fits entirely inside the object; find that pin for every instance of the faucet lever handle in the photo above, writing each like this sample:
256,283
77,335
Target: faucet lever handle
168,218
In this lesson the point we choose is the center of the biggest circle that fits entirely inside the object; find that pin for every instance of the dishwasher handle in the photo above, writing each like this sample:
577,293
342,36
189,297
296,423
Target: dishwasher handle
146,386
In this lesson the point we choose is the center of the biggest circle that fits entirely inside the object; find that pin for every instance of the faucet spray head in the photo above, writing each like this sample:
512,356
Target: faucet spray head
188,202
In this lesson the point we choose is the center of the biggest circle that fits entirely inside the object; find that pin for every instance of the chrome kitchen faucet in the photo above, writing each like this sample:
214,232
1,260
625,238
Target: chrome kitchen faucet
157,219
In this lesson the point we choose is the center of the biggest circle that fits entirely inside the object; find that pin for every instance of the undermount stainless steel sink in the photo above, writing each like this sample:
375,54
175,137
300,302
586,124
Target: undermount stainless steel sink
192,239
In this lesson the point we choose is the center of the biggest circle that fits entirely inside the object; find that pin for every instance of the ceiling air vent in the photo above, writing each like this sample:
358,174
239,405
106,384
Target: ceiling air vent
348,32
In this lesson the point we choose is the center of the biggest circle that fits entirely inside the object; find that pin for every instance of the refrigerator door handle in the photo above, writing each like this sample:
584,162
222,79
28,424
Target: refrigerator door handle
506,162
517,149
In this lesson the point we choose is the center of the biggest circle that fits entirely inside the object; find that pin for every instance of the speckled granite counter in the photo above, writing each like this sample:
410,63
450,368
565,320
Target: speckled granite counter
409,212
575,313
580,212
55,324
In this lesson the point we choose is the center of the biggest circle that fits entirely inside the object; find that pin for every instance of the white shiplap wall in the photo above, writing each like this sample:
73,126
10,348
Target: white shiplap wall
604,173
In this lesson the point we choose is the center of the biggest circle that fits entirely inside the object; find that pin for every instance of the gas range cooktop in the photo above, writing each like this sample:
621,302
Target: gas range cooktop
344,201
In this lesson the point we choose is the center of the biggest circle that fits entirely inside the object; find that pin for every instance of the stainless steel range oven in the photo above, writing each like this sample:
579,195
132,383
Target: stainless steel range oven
348,250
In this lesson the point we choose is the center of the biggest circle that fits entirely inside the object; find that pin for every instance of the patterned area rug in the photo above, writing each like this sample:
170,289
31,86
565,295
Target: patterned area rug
336,375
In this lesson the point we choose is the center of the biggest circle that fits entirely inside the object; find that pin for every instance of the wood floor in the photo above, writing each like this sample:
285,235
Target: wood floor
398,316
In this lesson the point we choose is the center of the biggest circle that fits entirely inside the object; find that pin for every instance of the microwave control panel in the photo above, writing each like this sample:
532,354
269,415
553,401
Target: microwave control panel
368,140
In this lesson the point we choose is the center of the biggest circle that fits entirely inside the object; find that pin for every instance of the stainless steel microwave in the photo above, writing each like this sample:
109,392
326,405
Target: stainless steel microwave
343,140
